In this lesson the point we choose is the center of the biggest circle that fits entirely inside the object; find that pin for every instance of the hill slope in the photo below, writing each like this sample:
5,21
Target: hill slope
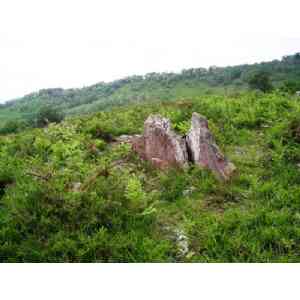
68,193
153,86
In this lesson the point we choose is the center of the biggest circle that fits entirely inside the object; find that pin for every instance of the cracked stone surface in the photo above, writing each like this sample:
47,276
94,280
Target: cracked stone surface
204,151
164,148
160,144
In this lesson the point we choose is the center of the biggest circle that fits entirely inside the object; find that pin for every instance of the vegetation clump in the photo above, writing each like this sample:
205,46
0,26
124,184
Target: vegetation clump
261,81
48,114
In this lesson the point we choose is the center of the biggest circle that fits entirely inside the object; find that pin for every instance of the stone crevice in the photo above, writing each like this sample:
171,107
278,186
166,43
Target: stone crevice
164,148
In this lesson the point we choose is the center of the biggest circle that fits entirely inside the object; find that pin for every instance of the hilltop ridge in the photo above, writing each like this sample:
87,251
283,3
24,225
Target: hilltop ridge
151,87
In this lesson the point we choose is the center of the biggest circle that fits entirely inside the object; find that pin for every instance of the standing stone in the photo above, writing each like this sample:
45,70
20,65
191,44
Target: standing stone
203,150
160,144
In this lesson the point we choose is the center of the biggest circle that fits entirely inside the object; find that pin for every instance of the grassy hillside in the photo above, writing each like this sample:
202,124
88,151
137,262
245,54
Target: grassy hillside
69,193
151,87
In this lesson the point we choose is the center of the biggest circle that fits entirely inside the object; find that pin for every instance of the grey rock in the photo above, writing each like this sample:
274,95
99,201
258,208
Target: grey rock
76,186
160,144
126,138
204,151
182,242
188,191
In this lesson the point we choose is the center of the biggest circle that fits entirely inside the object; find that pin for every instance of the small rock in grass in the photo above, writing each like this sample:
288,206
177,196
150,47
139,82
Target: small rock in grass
188,191
76,187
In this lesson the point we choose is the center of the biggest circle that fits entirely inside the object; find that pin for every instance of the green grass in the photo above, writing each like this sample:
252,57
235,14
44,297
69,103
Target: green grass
126,211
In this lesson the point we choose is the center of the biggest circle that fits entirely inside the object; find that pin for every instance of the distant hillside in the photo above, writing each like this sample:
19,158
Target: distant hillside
152,86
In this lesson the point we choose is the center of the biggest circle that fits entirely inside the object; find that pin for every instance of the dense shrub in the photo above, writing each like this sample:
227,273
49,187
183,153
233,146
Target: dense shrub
260,81
48,114
13,126
291,86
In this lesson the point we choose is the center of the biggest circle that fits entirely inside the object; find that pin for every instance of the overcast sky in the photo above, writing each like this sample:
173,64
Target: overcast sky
60,43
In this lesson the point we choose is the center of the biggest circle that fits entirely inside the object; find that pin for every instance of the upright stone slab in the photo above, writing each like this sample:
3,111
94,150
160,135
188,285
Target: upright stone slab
160,144
203,150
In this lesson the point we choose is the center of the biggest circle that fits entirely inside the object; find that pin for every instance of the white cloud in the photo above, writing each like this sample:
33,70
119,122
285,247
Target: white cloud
53,43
